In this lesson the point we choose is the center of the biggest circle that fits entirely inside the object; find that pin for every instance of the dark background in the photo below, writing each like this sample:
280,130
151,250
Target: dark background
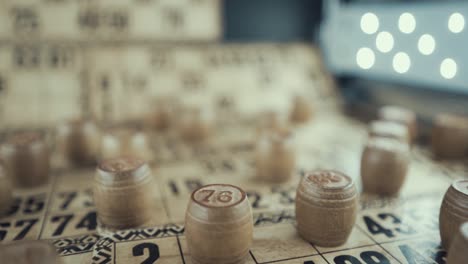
271,20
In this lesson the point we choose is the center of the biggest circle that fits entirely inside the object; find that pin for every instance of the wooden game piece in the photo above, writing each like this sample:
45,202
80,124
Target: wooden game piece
384,164
27,159
28,252
449,137
326,207
271,122
400,115
301,110
453,211
458,253
163,114
123,192
80,141
122,141
218,224
6,197
389,129
195,123
275,157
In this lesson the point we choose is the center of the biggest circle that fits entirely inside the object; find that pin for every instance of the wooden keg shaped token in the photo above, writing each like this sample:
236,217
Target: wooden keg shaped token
449,136
27,159
163,114
326,208
195,123
80,141
29,252
6,196
384,165
453,211
301,110
218,224
458,253
389,129
275,157
271,122
123,193
400,115
117,142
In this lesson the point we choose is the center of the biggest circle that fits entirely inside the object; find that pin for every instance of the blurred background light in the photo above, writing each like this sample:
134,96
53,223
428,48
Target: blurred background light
448,68
426,44
369,23
401,62
365,58
456,23
407,23
384,42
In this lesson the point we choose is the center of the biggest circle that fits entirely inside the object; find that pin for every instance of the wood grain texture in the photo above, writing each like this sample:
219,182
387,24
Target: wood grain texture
449,137
29,252
218,224
275,157
326,208
6,197
123,192
400,115
79,141
453,211
458,253
26,156
384,165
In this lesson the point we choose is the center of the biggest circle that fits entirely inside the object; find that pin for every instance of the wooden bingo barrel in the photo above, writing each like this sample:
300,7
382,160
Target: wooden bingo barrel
449,137
301,110
326,207
453,212
28,252
6,197
195,123
27,159
400,115
218,224
123,193
124,141
275,157
384,164
458,253
80,141
389,129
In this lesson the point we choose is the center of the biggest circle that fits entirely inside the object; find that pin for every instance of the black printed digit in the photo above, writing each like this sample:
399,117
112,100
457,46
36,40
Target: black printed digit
34,204
153,252
4,230
309,262
28,224
412,256
375,228
373,257
254,199
403,228
346,259
68,198
88,221
63,221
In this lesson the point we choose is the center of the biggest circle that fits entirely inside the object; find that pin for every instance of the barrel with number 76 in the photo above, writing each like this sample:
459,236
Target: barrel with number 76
218,225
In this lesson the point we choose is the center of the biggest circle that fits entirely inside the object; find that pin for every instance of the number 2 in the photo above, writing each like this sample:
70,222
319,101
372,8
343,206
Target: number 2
153,249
